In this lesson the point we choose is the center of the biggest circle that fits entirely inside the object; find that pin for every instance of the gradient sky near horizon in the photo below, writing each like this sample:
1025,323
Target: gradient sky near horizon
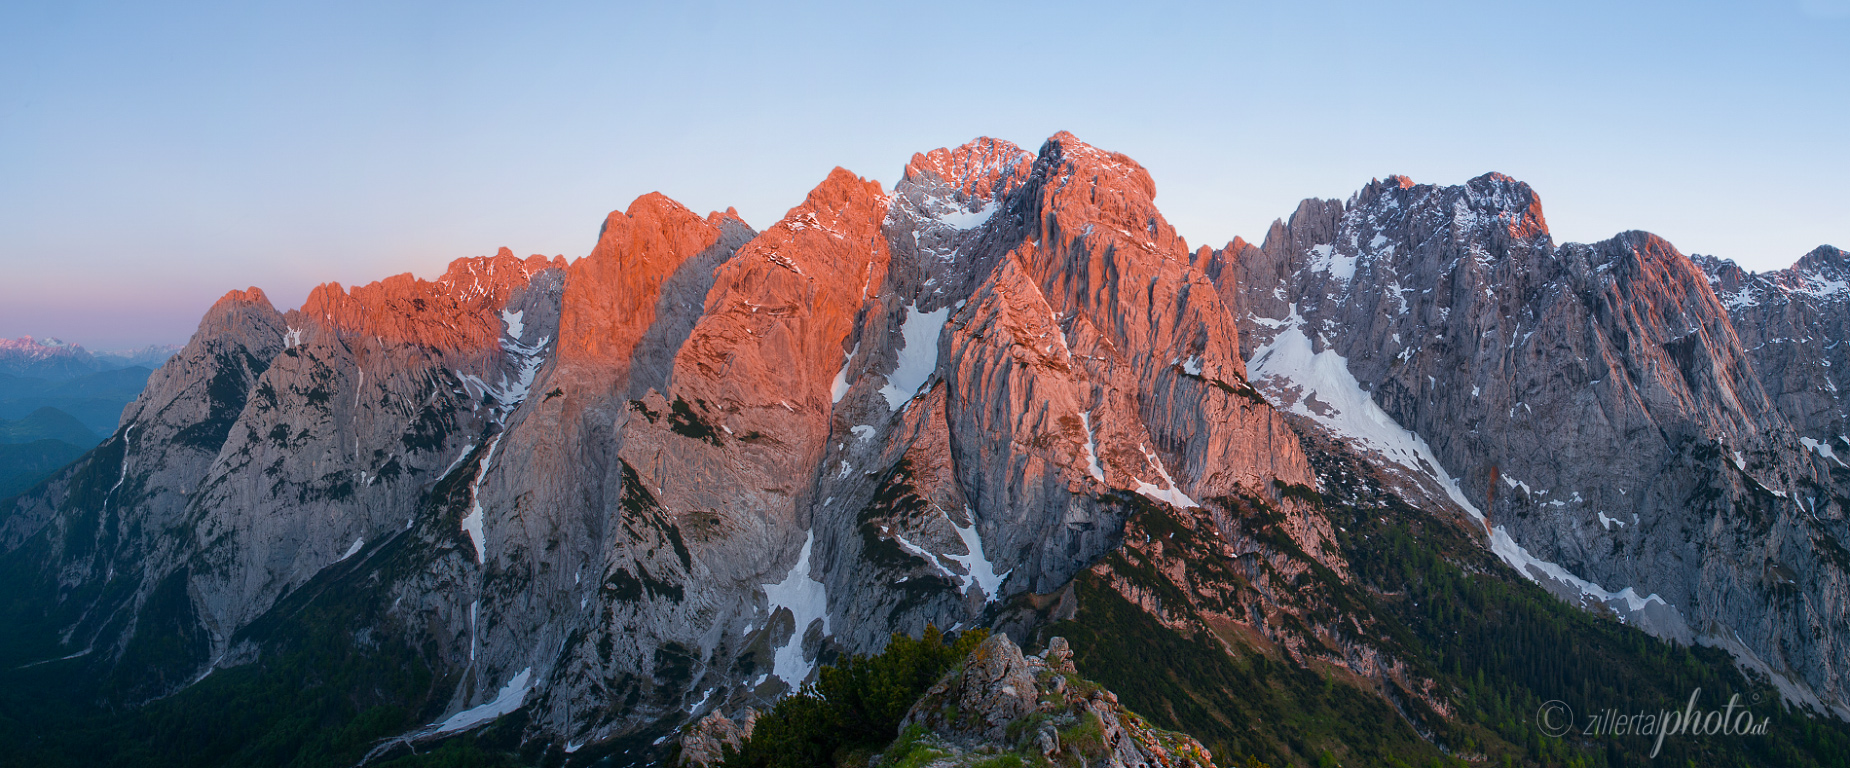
155,155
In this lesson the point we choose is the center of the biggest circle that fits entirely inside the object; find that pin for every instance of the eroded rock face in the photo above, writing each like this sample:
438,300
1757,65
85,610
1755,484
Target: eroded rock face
603,568
1041,350
1632,439
1791,322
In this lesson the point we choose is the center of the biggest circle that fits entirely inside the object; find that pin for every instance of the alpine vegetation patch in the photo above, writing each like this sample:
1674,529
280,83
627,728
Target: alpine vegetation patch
1556,719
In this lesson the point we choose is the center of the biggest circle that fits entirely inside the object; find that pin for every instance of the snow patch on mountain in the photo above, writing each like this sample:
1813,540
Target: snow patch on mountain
472,522
1822,449
840,386
922,554
1168,493
982,572
1319,385
959,218
510,698
808,602
1325,258
918,358
1630,607
1098,472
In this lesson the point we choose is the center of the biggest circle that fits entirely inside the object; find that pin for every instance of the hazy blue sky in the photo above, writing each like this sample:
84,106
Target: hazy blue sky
154,155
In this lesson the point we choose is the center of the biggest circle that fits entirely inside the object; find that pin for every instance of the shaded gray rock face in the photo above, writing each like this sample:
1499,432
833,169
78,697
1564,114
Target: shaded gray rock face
110,532
274,446
345,435
1792,323
1604,387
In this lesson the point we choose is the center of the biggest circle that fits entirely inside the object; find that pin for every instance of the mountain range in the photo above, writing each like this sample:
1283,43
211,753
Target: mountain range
57,360
1369,489
57,398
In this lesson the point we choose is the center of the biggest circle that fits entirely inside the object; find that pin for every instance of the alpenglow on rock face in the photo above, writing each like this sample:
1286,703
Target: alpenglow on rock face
622,492
674,471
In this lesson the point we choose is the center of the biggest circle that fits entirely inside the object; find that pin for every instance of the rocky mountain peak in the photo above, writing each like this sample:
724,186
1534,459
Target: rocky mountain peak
46,356
235,314
1490,200
612,296
1074,158
251,295
58,360
1082,184
1004,701
1449,315
459,311
977,170
791,293
999,706
839,196
1821,276
30,343
1825,261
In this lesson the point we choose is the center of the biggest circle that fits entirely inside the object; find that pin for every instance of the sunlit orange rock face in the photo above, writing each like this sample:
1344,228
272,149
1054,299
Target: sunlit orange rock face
758,366
251,295
782,307
610,295
1105,290
459,311
977,169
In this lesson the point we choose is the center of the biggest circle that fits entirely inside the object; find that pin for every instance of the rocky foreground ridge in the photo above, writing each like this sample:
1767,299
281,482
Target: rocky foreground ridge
669,478
998,703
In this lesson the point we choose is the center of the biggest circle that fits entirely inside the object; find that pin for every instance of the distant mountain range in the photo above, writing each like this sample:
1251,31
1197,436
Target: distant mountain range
58,399
1367,492
55,360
